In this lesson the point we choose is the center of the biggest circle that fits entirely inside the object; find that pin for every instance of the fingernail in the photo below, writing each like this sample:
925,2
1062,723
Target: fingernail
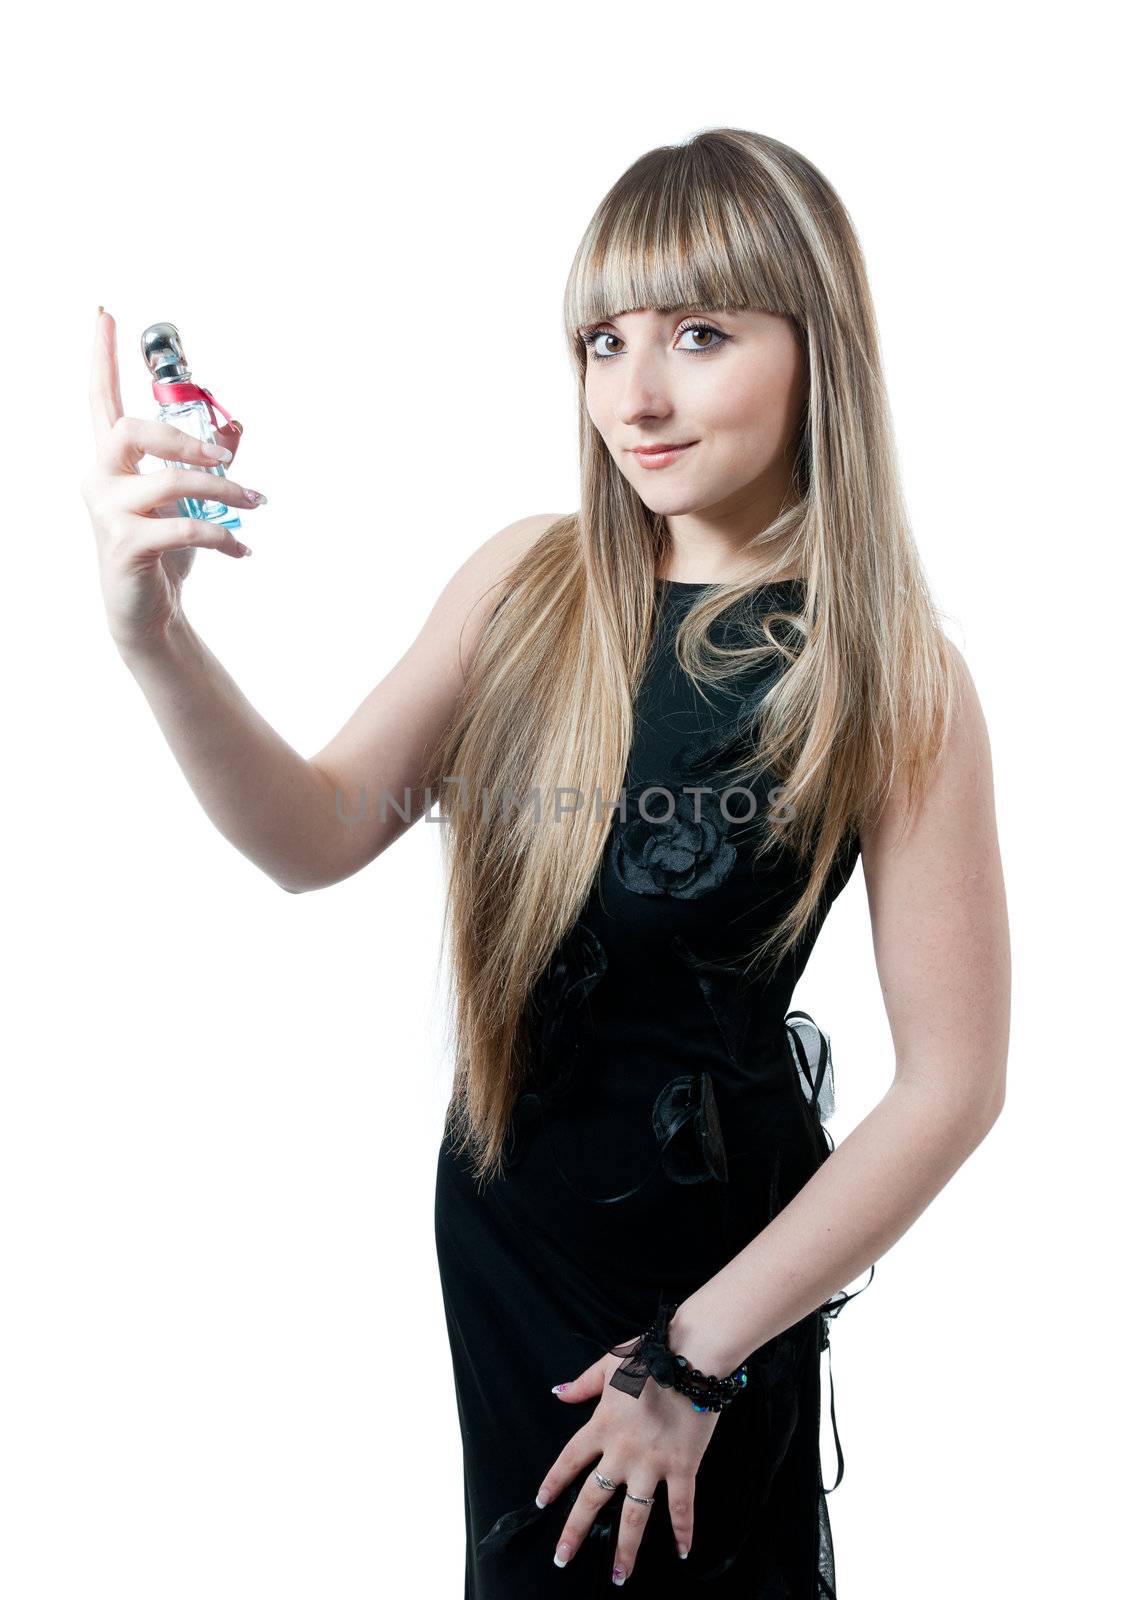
562,1555
256,497
618,1576
540,1502
220,452
683,1552
558,1387
244,548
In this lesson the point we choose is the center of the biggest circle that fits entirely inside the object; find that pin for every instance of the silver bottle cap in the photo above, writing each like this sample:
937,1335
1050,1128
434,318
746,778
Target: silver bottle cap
162,349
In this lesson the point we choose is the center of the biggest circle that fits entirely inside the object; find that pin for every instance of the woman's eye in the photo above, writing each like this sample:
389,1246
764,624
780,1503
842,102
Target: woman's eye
715,339
704,328
591,342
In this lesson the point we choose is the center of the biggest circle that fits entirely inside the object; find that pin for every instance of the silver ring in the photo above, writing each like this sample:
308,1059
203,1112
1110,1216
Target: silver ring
605,1483
644,1499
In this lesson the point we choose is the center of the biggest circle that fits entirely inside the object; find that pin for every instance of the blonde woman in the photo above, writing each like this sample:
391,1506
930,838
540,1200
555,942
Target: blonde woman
661,730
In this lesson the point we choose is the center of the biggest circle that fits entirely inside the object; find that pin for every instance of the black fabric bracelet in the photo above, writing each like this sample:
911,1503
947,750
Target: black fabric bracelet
651,1357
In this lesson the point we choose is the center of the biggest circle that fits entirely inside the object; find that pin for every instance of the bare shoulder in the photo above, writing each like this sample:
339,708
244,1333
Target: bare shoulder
389,742
472,592
961,780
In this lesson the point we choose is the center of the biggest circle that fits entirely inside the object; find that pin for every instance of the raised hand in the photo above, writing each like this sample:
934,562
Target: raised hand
145,550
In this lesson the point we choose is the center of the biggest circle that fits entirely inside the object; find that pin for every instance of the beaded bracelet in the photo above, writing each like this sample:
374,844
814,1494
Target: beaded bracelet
650,1357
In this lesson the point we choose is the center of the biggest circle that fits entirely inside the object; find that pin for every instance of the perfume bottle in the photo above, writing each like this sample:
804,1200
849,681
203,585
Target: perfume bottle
188,406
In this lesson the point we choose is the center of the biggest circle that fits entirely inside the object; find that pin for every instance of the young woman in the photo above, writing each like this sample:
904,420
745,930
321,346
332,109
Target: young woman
661,730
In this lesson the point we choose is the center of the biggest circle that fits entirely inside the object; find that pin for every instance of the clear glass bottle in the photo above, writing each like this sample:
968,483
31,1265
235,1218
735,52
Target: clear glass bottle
163,353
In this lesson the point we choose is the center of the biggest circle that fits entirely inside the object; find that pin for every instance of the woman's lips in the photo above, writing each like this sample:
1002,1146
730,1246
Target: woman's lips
661,458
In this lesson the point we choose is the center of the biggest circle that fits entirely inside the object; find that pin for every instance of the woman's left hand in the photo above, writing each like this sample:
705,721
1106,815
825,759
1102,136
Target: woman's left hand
636,1441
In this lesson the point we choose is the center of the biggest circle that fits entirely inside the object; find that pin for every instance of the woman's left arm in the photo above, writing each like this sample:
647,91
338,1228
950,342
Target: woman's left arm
942,947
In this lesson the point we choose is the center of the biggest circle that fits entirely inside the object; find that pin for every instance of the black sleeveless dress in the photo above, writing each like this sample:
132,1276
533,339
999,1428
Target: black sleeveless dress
668,1116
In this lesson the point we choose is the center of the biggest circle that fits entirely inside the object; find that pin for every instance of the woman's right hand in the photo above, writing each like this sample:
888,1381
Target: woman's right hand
145,549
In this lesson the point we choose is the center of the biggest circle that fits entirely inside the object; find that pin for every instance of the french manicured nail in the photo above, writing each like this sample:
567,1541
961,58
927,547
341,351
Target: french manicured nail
256,498
541,1501
244,549
683,1552
618,1576
562,1555
219,452
558,1387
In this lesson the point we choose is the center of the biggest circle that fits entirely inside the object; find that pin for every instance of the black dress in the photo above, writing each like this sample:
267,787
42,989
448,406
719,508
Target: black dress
668,1116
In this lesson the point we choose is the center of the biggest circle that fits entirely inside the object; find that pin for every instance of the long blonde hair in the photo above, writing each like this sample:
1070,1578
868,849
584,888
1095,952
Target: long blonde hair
729,219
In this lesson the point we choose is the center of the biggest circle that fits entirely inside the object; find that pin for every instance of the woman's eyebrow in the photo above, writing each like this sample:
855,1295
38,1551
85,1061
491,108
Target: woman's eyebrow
673,311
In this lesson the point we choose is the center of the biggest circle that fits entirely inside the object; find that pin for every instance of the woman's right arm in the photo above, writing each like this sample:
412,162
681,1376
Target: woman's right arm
300,820
303,820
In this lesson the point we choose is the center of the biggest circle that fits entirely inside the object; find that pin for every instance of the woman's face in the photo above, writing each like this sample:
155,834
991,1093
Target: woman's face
731,385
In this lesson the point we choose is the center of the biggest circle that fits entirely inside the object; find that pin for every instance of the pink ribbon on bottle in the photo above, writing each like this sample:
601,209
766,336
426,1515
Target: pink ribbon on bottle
165,392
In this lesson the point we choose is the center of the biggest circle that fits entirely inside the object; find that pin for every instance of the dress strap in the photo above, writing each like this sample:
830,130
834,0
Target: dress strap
816,1079
817,1083
827,1313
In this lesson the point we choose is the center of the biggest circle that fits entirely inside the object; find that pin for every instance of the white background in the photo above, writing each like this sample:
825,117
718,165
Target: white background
225,1368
